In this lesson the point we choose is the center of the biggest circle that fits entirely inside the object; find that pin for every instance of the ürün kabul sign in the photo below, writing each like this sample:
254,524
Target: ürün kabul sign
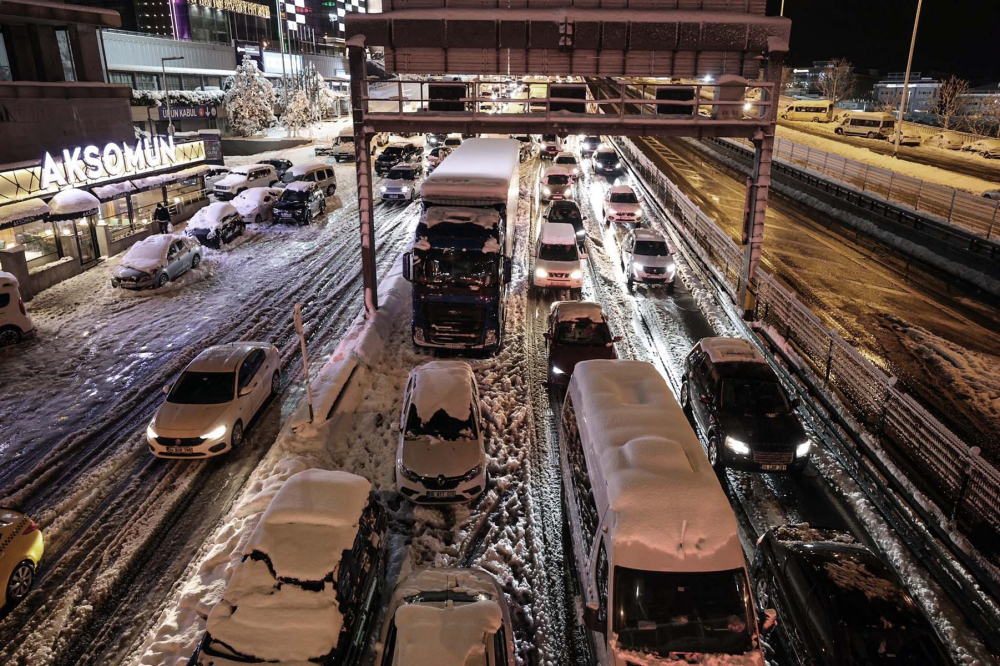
89,165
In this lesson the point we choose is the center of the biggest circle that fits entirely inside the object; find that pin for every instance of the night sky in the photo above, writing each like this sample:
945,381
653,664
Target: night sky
955,36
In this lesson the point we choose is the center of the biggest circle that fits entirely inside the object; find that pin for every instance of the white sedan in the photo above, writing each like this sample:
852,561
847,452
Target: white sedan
213,400
256,205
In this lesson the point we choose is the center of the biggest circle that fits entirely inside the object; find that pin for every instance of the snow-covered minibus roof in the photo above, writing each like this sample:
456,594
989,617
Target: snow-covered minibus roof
667,511
478,172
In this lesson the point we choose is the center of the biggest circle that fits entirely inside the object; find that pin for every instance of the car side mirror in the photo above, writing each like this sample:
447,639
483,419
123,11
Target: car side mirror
508,269
246,390
768,621
592,618
705,399
407,258
166,388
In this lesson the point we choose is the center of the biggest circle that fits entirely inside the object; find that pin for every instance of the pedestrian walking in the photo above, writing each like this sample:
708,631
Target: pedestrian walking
162,215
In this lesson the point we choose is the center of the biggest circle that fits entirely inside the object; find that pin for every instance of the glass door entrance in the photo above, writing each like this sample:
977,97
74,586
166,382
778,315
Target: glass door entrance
86,240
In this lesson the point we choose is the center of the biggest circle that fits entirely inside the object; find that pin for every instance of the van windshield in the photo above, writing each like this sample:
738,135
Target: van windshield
346,139
661,613
552,252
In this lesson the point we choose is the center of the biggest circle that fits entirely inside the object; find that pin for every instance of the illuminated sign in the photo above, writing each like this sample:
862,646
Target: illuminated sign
236,7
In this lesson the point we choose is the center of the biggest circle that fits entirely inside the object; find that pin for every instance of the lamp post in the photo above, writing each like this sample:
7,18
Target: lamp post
906,81
281,43
166,91
782,8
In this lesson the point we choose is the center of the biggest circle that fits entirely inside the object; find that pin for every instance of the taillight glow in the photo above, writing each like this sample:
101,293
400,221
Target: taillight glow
20,304
32,526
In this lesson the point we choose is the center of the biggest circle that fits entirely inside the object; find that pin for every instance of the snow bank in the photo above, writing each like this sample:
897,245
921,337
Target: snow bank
149,254
448,636
443,385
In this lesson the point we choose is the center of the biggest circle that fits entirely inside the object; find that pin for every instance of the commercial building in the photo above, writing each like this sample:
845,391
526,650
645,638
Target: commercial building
921,96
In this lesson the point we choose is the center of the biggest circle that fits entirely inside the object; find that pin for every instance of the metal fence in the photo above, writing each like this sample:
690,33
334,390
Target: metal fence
947,469
975,214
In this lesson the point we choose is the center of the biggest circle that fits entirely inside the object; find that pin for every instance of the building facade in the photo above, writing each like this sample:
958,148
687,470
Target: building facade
921,96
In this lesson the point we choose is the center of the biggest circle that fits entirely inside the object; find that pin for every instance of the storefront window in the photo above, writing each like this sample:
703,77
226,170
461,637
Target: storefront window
213,82
147,82
192,82
39,241
114,214
186,191
121,77
174,81
67,238
143,207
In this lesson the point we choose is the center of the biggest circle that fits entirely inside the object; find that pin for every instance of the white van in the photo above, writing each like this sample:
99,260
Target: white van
557,258
15,324
656,550
314,172
812,110
872,125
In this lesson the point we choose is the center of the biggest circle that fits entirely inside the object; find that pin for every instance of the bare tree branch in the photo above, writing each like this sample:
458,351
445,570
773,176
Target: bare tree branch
838,80
950,100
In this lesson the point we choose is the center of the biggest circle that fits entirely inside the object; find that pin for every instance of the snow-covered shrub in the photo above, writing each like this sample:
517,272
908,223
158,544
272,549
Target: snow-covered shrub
250,100
299,112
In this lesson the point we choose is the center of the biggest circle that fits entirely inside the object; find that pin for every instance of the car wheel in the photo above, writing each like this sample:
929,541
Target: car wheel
195,260
686,397
275,383
714,454
162,280
258,219
9,336
871,135
331,190
237,436
838,131
19,583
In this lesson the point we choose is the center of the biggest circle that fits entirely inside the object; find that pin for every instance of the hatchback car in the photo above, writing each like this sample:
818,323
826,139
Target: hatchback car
986,147
557,259
735,398
15,324
402,182
568,161
605,163
213,400
280,165
155,261
440,456
243,178
396,153
556,184
21,547
577,331
622,206
256,205
216,224
299,203
837,603
447,612
646,259
568,212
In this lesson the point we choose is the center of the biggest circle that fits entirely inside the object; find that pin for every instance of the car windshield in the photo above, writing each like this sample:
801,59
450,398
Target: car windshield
609,157
402,174
553,252
592,140
569,214
441,426
290,177
469,268
698,612
294,196
754,397
583,332
651,248
548,137
452,142
566,159
392,151
623,197
557,179
203,388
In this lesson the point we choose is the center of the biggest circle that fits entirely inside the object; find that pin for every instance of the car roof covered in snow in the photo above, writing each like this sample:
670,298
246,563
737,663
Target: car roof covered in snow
255,195
604,149
7,279
150,253
443,385
446,635
300,186
667,509
621,189
247,168
403,167
212,215
648,235
565,153
486,218
730,350
303,169
556,171
557,233
479,170
576,310
223,358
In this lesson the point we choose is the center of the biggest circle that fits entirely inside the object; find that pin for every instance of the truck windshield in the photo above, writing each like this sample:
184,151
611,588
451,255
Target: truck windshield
203,388
661,612
754,397
552,252
583,332
462,268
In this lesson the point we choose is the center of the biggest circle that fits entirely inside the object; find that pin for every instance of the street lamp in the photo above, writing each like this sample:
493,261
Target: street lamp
166,91
906,81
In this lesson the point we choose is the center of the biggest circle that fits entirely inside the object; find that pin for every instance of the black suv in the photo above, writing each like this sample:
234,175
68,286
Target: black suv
732,394
606,162
568,212
280,165
837,603
300,202
394,154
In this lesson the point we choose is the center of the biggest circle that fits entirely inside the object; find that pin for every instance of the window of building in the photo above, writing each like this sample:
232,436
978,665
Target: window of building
147,82
213,82
5,73
121,77
174,82
66,54
192,82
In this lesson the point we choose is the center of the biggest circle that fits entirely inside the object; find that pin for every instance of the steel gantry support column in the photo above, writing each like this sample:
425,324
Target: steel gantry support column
363,168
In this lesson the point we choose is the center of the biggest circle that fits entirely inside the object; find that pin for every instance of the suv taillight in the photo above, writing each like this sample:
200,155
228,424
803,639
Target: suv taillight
20,304
32,526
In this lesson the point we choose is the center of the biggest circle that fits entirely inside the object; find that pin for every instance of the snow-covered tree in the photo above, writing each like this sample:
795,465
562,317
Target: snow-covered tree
250,100
299,112
837,80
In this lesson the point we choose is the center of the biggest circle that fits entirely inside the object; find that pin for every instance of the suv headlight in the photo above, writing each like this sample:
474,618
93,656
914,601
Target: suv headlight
803,449
576,274
636,266
541,273
546,190
737,447
383,188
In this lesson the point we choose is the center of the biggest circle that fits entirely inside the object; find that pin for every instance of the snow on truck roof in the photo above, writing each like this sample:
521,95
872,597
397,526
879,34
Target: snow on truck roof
577,310
647,465
558,233
479,170
723,350
443,385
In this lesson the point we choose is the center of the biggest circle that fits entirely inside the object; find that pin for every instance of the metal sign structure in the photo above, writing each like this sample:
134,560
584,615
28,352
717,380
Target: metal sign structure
720,71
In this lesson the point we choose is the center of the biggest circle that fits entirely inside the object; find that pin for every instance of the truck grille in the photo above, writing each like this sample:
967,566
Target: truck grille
449,324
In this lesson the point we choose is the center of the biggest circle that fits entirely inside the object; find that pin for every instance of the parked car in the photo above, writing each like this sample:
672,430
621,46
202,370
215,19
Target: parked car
256,205
435,157
21,547
217,223
440,456
243,178
396,153
15,324
280,165
646,259
622,206
837,603
447,612
992,194
215,173
299,203
605,163
310,582
946,140
342,147
556,184
568,161
907,137
213,400
577,331
568,212
589,145
155,261
557,259
733,395
314,172
402,182
985,147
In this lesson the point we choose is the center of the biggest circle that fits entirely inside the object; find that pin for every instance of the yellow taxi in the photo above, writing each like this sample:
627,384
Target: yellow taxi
20,550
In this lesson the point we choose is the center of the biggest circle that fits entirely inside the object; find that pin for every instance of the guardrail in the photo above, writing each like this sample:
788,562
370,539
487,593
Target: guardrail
974,214
960,484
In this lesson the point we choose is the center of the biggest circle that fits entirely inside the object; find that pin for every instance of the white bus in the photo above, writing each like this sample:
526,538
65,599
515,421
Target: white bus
658,558
872,125
812,110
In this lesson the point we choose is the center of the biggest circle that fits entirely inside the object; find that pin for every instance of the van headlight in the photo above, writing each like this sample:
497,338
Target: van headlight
671,267
737,447
636,266
567,192
217,432
638,214
803,449
557,371
541,273
576,274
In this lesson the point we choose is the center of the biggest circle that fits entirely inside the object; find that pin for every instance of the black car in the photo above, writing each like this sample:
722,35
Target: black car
577,331
735,398
568,212
606,162
299,203
280,165
837,603
589,145
394,154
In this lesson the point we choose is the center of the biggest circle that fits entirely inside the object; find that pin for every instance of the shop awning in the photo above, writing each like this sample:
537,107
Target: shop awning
161,179
71,203
113,191
22,212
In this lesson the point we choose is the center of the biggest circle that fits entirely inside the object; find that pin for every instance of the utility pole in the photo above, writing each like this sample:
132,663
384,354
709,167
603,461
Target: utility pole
166,91
281,44
906,81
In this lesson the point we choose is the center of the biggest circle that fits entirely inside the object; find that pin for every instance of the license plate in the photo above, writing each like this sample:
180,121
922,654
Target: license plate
440,494
773,468
179,449
392,196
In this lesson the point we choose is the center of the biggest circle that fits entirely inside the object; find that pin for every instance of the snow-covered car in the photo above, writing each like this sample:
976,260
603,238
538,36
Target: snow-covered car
577,331
622,206
215,173
435,157
244,177
568,161
299,203
436,612
155,261
402,182
986,147
946,140
440,456
907,137
216,224
557,258
396,153
568,212
992,194
213,400
310,581
646,259
556,184
15,324
22,547
605,162
256,205
314,172
342,147
280,165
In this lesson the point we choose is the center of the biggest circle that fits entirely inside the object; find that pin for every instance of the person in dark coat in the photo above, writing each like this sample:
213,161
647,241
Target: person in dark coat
162,215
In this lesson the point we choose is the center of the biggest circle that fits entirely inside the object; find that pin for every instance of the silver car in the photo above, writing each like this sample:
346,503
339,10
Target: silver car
155,261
